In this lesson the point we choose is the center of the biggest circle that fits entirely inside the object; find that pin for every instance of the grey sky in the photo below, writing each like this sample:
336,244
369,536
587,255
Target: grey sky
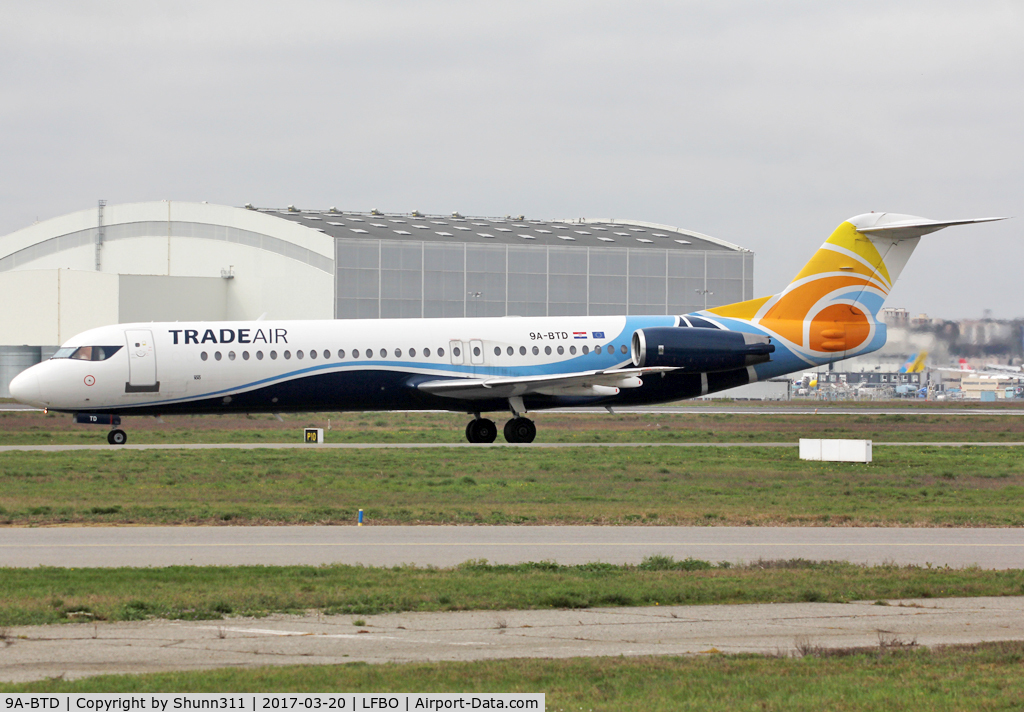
765,124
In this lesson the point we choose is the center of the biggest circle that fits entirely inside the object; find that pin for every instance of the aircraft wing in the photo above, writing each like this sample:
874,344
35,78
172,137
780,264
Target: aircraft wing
584,383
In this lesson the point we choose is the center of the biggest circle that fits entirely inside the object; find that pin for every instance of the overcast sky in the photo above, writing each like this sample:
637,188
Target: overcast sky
765,124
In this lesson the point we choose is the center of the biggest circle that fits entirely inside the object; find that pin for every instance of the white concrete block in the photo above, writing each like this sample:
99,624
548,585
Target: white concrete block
810,449
835,450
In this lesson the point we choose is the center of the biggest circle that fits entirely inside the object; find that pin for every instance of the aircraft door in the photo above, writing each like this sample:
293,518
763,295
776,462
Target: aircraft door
141,362
455,348
476,352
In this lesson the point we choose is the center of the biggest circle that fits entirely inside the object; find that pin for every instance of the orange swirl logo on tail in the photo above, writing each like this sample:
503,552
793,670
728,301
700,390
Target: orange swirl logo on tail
821,309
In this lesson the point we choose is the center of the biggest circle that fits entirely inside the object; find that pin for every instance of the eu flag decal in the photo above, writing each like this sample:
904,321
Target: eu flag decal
598,334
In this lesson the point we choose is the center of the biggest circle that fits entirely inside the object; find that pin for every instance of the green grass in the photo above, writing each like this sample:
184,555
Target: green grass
53,595
657,486
957,679
929,424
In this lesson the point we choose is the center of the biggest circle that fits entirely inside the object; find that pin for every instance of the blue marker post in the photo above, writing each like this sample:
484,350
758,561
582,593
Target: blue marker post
360,518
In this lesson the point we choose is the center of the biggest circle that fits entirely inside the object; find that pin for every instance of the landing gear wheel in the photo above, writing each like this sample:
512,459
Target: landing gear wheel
481,430
117,437
520,430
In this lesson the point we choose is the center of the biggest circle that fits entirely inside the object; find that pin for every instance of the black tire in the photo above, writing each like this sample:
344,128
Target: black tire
522,430
117,437
481,431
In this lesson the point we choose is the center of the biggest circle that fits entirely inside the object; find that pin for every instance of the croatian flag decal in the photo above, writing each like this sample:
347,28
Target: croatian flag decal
598,334
579,334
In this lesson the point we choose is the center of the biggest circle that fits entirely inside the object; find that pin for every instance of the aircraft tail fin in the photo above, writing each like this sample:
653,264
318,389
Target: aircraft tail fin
832,304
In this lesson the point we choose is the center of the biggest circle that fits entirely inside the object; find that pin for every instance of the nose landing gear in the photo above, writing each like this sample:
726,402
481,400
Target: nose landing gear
520,430
117,437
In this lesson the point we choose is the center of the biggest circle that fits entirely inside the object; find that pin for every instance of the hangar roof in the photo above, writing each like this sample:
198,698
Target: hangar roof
508,230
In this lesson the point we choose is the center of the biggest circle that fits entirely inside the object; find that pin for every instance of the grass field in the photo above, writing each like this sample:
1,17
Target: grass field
891,677
928,424
905,486
55,595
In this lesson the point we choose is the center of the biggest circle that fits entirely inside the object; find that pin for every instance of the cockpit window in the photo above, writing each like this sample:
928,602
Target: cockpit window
87,353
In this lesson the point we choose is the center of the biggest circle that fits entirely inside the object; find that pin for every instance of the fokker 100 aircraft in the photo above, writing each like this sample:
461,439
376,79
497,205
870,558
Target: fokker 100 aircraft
479,365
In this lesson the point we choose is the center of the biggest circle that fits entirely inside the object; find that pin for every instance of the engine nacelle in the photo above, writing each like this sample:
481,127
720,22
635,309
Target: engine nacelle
699,350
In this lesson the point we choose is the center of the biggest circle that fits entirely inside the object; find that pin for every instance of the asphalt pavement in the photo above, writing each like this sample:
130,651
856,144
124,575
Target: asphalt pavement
80,547
74,651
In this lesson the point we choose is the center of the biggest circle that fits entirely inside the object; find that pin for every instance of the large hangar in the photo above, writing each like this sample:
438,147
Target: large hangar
172,261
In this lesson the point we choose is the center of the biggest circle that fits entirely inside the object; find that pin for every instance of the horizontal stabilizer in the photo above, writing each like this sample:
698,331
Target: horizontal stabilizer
902,227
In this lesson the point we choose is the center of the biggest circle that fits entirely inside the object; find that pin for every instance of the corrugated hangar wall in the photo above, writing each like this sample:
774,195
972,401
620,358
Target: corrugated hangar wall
166,261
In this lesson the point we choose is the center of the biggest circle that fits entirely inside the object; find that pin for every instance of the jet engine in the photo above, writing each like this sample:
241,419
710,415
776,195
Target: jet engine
699,350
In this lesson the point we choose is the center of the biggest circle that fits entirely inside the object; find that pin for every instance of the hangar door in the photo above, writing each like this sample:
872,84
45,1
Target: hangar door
141,362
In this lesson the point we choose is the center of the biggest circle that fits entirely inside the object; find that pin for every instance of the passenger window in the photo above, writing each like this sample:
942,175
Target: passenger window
585,349
369,353
457,351
623,348
547,350
312,353
560,351
522,350
383,353
231,355
327,354
287,354
245,355
597,349
204,356
510,350
412,353
440,353
273,355
497,351
426,352
476,350
298,354
572,349
216,355
259,355
341,353
398,353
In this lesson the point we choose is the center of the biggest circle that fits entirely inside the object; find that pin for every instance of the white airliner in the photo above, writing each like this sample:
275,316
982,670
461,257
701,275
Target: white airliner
827,313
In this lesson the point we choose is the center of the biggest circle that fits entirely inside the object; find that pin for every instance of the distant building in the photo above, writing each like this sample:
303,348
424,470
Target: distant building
895,316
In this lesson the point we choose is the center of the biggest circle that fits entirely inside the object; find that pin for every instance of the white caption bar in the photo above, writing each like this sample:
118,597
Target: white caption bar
349,702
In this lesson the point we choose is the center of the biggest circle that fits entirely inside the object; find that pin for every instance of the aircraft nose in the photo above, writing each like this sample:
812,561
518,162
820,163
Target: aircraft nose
25,388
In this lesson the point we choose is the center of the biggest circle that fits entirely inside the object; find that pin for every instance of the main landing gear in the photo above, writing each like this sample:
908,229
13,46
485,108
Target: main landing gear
517,430
481,430
520,430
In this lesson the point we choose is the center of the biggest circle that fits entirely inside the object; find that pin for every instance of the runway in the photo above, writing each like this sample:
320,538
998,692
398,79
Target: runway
88,547
74,651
